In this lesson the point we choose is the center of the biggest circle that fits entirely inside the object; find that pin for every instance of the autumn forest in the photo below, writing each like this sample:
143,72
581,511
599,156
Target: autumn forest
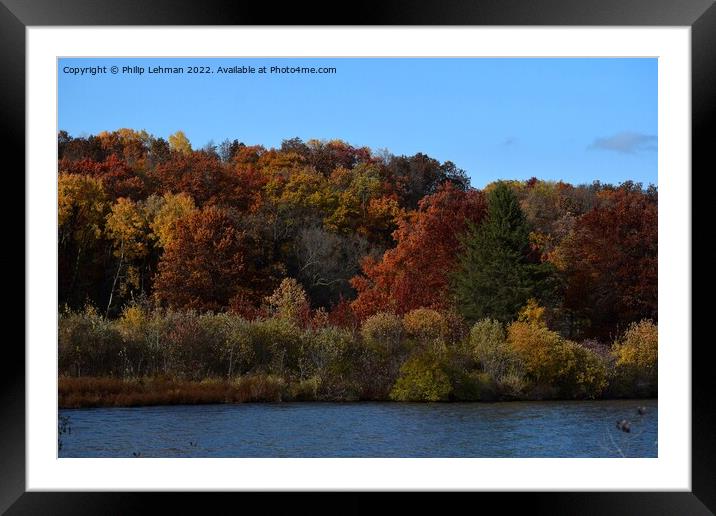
322,271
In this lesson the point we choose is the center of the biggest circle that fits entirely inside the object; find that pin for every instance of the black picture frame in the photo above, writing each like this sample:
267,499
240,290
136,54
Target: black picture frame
700,15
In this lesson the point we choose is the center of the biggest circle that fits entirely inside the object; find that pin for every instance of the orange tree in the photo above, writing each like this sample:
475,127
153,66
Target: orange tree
416,272
210,263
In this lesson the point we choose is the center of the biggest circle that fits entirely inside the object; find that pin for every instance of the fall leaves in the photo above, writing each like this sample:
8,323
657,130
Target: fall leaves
610,260
219,228
415,273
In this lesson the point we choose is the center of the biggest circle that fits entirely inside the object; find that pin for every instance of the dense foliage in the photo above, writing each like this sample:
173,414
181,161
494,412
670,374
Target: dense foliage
349,274
497,269
383,359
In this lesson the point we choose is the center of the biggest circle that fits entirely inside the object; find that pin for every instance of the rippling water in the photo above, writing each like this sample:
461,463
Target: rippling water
515,429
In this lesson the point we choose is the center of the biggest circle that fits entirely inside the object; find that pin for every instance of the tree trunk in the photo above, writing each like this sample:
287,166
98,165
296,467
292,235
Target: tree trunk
114,282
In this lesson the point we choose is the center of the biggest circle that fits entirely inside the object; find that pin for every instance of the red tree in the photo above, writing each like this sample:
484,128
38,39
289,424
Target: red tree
416,272
118,178
210,264
610,261
199,174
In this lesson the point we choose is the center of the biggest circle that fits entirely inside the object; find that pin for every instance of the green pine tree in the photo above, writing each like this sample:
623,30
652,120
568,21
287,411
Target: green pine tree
495,275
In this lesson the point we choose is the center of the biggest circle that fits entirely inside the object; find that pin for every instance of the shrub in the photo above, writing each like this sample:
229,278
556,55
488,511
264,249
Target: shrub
422,378
281,360
132,323
156,342
246,308
427,327
600,348
260,387
639,347
342,316
533,313
571,370
383,332
324,351
473,386
636,355
88,344
188,346
132,327
289,301
457,328
538,348
372,372
304,390
320,319
322,361
229,343
512,384
276,345
584,373
488,347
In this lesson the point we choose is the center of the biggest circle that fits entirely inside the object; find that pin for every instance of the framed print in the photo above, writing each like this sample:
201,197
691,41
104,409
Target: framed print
440,248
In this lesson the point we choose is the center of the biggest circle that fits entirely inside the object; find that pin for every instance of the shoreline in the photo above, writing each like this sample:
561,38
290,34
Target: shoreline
107,392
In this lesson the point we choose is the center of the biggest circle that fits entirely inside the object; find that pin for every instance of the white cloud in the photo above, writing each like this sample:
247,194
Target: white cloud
626,143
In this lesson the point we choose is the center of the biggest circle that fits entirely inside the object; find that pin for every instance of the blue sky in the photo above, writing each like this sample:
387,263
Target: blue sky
577,120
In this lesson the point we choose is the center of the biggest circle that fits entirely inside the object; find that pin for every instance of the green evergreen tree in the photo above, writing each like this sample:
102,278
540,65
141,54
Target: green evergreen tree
496,275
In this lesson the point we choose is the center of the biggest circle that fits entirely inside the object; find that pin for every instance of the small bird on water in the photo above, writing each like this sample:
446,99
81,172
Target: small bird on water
641,410
624,425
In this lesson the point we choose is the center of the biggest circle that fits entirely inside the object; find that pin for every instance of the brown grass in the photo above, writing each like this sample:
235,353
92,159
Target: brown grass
113,392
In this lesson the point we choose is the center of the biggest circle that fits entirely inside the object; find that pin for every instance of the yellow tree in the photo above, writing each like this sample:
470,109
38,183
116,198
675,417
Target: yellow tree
360,186
128,230
81,209
362,205
171,208
289,301
127,144
179,142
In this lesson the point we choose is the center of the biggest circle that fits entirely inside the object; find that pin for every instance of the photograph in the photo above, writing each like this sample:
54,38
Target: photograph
432,248
357,257
436,250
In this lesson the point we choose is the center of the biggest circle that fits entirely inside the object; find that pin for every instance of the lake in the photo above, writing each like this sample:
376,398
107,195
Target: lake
511,429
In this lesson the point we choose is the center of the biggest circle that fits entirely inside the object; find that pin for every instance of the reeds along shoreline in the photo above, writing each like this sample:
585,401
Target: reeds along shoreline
95,392
86,392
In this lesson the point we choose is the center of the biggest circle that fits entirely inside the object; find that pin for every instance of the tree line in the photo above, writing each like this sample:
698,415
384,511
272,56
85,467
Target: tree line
156,225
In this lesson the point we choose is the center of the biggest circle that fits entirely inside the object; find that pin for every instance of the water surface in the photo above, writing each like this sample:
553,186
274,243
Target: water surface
515,429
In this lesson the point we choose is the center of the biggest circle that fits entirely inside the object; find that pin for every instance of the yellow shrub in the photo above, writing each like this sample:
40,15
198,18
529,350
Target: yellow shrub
383,331
539,349
533,313
487,346
572,370
426,326
132,322
289,301
636,355
422,378
639,346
